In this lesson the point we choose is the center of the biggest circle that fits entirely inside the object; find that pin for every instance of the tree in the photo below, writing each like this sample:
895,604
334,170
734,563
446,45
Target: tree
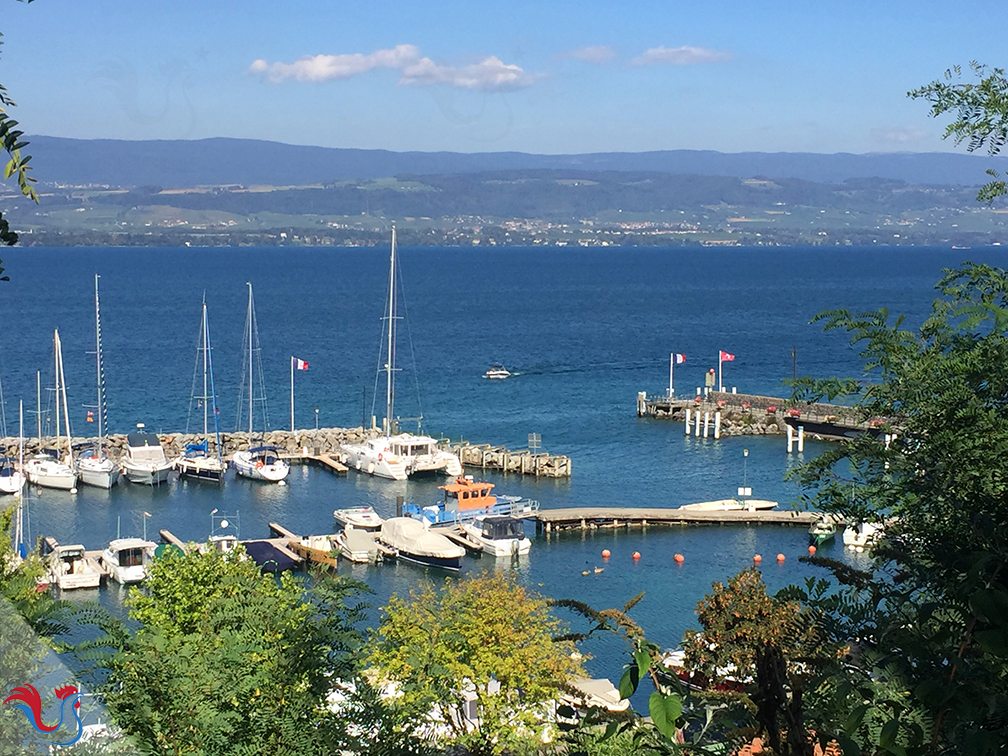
981,114
931,620
229,660
484,639
17,165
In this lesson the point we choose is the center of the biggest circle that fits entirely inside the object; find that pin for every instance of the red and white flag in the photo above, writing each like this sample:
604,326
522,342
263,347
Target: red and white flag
300,364
680,358
725,357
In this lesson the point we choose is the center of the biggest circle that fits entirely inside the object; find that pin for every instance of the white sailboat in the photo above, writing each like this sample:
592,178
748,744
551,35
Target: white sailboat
11,479
94,468
397,455
198,462
48,468
261,463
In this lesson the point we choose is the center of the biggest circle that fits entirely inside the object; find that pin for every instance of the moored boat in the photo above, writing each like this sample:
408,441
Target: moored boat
464,499
357,545
822,531
498,535
197,462
94,468
261,463
728,505
47,470
859,536
71,568
127,560
413,541
145,461
359,518
11,479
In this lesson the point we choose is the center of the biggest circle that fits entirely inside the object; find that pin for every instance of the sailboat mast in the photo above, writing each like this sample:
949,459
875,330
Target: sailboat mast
19,527
390,365
206,346
38,406
99,410
251,317
56,380
62,383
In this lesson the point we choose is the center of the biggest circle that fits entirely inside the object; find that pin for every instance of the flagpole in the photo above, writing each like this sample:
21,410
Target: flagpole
671,375
720,383
292,393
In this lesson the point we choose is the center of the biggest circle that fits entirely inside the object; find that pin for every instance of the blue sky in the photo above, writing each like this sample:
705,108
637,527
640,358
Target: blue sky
548,77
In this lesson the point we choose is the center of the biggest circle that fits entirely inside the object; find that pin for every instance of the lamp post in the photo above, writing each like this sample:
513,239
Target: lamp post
316,418
745,460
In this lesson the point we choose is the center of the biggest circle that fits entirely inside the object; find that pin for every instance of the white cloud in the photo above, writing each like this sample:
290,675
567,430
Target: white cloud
679,56
595,54
899,134
489,75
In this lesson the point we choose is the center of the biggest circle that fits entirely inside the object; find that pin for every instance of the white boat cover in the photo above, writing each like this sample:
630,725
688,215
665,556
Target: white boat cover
412,537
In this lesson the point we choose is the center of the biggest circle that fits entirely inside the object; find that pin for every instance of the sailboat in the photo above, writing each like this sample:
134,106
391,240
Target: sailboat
11,479
397,455
198,462
47,468
93,466
258,462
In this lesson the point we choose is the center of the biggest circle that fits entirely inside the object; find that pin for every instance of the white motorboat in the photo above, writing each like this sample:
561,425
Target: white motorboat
127,560
197,462
727,505
48,468
261,462
497,372
498,535
11,479
357,545
414,541
145,460
397,455
859,536
71,568
359,518
94,468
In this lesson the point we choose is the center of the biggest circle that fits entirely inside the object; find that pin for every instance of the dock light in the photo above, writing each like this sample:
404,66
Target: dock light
780,557
757,559
606,554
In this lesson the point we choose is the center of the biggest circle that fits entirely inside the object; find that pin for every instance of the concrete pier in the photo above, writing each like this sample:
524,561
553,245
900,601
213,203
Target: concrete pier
594,518
487,457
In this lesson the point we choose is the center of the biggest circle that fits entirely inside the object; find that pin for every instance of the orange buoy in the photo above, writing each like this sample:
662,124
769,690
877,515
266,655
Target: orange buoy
812,550
606,554
757,559
780,557
679,558
636,555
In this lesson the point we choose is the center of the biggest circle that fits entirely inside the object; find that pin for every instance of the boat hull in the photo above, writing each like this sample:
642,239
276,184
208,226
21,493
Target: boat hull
11,484
75,582
100,474
51,475
202,468
359,518
146,475
247,467
379,464
454,564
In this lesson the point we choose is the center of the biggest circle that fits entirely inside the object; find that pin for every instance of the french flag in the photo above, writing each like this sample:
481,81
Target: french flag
680,358
300,364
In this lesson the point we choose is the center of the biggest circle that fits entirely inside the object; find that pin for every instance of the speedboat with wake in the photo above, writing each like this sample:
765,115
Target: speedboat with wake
497,372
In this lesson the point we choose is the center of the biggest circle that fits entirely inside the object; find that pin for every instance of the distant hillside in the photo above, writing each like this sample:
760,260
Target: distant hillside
174,164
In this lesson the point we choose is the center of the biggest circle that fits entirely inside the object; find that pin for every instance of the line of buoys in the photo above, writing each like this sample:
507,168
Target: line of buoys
606,554
757,558
636,555
811,550
780,558
679,558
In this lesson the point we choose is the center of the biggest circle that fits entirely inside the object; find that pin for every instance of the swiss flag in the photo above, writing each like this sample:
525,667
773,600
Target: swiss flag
725,357
300,364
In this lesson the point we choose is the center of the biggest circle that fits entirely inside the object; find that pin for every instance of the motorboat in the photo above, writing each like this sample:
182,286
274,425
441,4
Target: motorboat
48,470
728,505
70,568
359,518
497,372
395,455
822,531
465,499
127,560
94,468
498,536
673,663
859,536
197,462
357,545
261,463
414,541
11,479
145,460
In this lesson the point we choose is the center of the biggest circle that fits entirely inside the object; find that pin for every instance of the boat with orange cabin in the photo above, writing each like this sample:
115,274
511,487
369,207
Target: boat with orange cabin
466,498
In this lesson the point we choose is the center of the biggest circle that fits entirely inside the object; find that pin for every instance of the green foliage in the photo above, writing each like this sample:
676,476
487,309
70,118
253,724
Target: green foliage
981,114
444,647
926,632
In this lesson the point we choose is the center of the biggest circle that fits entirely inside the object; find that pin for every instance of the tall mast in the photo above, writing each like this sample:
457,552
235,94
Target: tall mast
66,411
251,317
390,365
19,526
38,406
56,359
213,389
206,347
100,377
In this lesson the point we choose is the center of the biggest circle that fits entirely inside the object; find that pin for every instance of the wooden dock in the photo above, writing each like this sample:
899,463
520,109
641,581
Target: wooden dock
499,458
310,551
327,461
594,518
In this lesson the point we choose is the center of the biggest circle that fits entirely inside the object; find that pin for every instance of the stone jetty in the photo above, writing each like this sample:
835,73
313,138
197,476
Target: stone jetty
321,441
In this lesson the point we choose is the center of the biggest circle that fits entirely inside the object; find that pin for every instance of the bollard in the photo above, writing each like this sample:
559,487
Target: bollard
687,420
790,439
399,505
734,390
717,425
697,431
706,423
698,391
801,438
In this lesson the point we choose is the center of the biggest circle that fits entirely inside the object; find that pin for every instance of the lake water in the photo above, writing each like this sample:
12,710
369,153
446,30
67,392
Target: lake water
584,329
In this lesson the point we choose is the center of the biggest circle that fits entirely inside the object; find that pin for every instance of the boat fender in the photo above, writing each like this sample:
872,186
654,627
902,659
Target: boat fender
379,456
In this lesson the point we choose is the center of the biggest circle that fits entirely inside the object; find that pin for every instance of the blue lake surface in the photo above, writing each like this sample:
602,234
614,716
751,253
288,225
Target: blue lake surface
584,329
